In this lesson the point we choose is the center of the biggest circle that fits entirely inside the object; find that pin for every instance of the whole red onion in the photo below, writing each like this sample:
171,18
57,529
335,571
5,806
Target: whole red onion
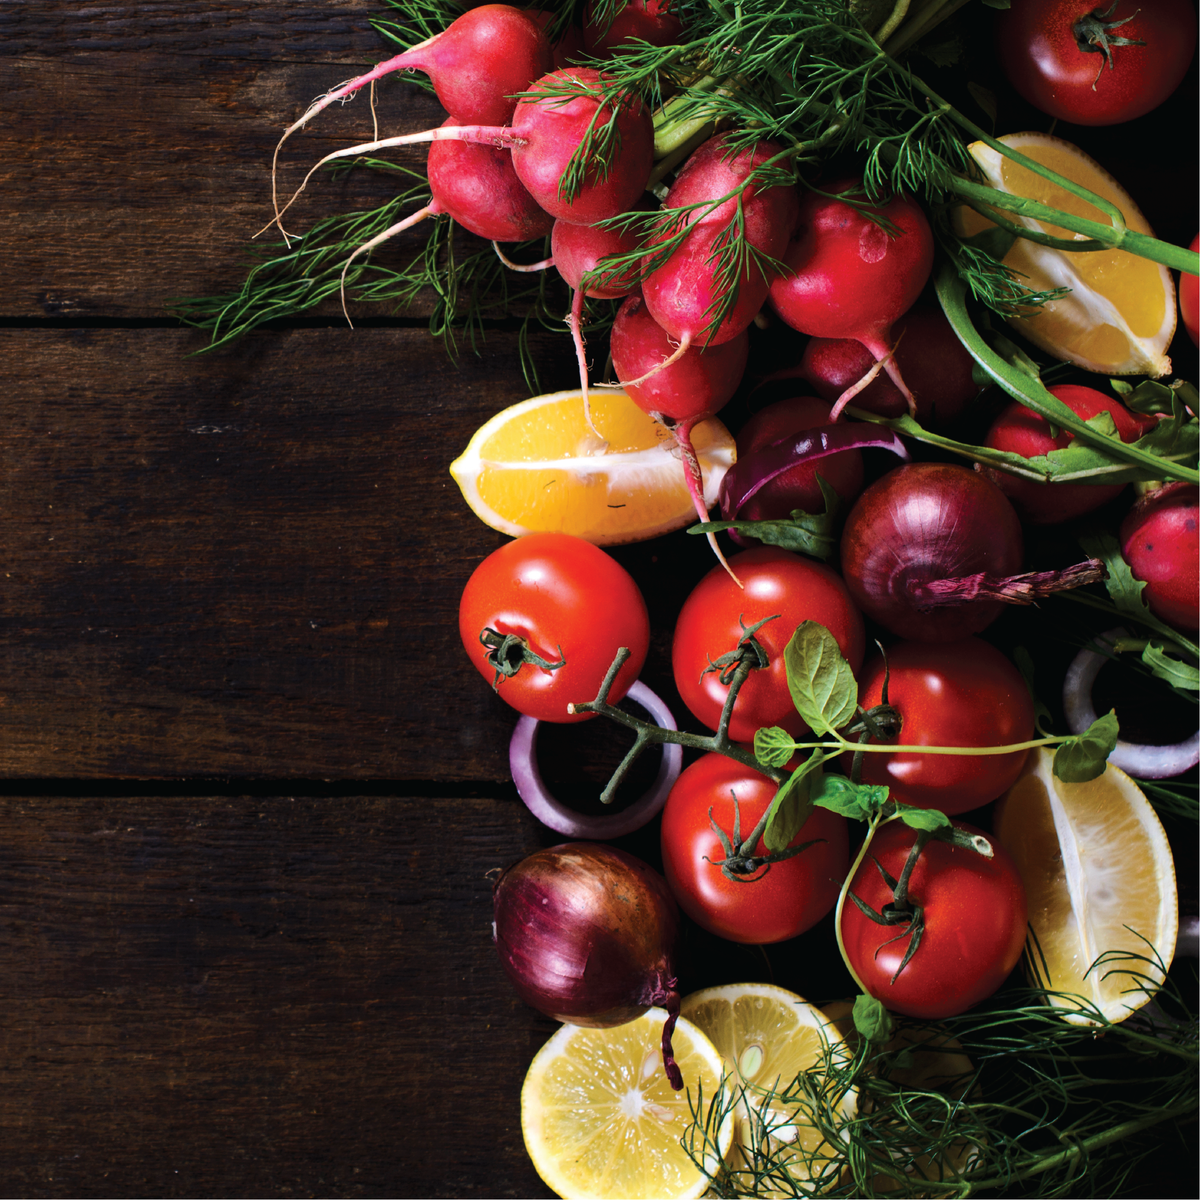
586,933
930,550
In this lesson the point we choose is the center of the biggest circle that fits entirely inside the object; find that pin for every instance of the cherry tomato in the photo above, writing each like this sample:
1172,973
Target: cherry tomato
565,600
1065,58
963,693
775,582
974,911
771,906
1020,430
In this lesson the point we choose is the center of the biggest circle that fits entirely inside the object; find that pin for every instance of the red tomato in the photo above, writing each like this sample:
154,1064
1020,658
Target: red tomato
974,912
1052,52
565,599
775,581
1020,430
792,896
963,693
1189,299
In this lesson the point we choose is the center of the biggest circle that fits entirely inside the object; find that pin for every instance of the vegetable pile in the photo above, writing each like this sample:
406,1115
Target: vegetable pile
761,210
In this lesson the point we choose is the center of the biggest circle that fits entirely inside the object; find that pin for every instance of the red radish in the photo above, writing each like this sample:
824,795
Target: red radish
477,186
477,64
851,278
569,47
1189,299
686,292
797,487
696,385
634,21
577,251
1020,430
1159,542
568,111
692,385
930,358
930,550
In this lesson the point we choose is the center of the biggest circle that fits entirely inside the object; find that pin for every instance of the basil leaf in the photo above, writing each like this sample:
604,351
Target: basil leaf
930,819
856,801
872,1020
791,806
822,685
1084,757
773,747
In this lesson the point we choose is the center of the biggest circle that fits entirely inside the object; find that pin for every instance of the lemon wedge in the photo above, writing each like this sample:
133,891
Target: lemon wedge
1100,880
536,467
1119,316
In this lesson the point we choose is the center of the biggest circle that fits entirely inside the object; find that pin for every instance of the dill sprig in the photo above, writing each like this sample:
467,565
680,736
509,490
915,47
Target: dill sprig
1018,1097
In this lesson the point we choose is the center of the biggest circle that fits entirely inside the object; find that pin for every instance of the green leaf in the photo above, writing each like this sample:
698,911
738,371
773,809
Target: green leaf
791,806
773,747
814,534
856,801
872,1020
930,819
820,680
1084,757
1178,674
1124,591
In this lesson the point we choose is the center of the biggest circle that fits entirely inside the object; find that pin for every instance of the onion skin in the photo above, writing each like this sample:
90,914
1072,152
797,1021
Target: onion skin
586,933
919,524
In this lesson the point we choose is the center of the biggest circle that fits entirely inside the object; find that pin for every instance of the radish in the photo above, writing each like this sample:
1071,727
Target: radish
1159,542
685,389
572,110
851,278
477,186
478,65
1020,430
634,21
577,251
933,362
688,291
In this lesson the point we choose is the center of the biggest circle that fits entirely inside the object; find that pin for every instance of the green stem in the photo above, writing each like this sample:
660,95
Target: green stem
1085,1147
877,819
951,291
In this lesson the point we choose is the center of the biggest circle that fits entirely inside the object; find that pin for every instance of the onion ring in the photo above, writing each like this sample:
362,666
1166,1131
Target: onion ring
522,761
1143,761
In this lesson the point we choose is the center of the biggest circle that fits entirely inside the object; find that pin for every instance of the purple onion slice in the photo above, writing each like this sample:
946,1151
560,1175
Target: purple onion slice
522,761
755,470
1144,762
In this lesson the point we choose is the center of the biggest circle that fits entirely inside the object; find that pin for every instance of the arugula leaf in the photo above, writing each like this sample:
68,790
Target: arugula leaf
814,534
1084,757
820,680
1178,674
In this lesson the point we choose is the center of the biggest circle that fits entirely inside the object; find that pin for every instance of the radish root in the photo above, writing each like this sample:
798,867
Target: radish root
694,478
431,209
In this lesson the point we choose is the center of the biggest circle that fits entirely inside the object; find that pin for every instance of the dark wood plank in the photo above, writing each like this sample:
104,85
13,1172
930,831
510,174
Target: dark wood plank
270,997
249,563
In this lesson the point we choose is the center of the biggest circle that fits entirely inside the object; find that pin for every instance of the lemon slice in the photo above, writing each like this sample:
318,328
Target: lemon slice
536,467
601,1120
1119,316
784,1055
1100,880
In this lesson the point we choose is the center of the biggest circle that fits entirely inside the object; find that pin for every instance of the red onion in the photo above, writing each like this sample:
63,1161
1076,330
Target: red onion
1144,761
522,760
586,933
930,550
754,471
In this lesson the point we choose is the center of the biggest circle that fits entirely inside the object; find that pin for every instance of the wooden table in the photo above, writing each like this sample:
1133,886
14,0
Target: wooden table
253,789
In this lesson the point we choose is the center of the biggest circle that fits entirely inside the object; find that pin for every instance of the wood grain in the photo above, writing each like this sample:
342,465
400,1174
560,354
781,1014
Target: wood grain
238,996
